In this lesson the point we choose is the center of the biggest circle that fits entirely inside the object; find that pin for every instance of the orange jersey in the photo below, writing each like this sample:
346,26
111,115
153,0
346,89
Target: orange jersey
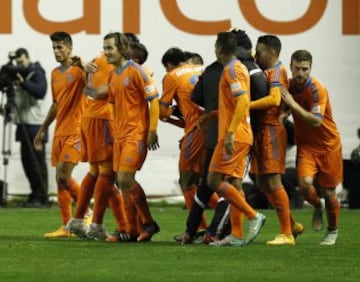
276,76
67,91
314,98
178,85
235,81
99,108
130,89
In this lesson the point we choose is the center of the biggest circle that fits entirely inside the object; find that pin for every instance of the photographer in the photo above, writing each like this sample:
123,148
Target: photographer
30,89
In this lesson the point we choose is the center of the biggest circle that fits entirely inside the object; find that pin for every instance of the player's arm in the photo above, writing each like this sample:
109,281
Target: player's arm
197,95
242,106
166,112
298,110
154,112
50,117
271,100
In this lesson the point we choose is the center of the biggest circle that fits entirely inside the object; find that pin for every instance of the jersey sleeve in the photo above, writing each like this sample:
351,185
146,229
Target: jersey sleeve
235,77
319,101
169,90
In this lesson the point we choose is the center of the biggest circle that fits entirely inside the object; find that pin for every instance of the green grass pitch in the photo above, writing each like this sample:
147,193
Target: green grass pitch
26,256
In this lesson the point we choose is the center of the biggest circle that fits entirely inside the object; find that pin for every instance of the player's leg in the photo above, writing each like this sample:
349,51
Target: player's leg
307,169
330,175
234,166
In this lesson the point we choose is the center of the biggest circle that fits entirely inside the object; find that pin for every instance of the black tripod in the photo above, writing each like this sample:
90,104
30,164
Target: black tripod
7,110
31,157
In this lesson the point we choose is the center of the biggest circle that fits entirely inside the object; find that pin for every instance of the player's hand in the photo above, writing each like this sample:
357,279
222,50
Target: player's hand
76,61
286,96
38,144
90,92
229,143
91,67
153,142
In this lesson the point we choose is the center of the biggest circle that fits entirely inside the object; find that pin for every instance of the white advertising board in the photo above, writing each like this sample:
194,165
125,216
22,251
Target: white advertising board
328,29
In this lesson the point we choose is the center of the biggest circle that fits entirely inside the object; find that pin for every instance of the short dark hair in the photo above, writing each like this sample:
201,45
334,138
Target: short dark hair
121,42
271,41
139,52
21,51
227,42
174,56
195,57
61,36
242,39
132,37
301,55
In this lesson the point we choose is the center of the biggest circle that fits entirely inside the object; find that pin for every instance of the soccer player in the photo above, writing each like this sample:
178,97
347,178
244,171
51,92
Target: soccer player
234,141
270,139
178,83
131,89
97,149
205,94
67,83
318,142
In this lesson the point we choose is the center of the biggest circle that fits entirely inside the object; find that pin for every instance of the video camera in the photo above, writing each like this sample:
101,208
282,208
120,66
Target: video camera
8,84
8,74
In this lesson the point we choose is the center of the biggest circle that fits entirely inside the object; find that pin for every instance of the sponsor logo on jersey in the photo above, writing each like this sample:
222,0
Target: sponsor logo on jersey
235,86
316,109
149,89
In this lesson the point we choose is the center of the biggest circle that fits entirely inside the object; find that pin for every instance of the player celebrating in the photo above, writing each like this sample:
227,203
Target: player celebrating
318,142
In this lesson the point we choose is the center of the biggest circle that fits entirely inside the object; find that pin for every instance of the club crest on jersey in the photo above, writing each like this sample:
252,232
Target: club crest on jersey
69,77
194,79
126,81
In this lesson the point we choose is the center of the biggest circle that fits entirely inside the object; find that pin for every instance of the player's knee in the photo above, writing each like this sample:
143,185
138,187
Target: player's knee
305,183
212,181
62,180
124,183
329,193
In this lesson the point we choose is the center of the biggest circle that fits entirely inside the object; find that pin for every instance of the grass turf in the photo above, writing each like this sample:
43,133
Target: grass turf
26,256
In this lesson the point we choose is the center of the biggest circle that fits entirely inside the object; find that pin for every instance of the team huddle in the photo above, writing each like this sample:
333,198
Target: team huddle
232,113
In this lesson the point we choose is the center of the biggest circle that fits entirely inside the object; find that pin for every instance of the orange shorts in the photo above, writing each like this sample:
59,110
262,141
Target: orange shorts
192,151
269,150
232,165
129,155
65,149
96,140
327,168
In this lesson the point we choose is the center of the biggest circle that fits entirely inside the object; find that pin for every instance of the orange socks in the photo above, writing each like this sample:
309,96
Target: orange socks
130,213
74,189
86,193
139,200
332,210
213,201
236,219
102,192
115,203
64,203
279,199
234,197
